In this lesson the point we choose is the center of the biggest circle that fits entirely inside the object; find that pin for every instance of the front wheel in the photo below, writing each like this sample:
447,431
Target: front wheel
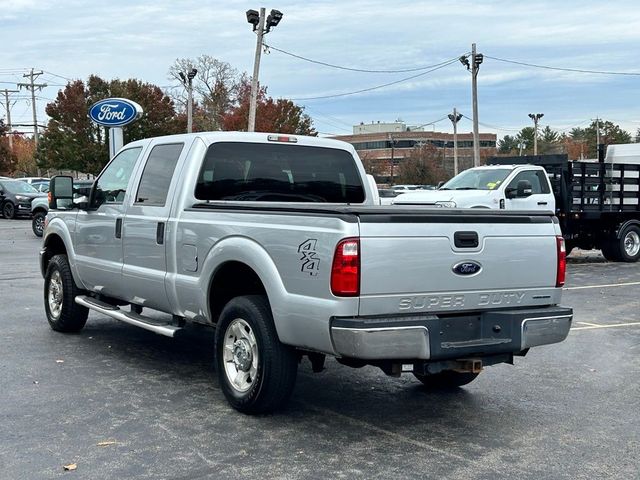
37,223
9,210
447,379
60,291
256,371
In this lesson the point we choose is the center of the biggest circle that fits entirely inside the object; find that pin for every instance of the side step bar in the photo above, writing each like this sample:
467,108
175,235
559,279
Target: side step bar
129,317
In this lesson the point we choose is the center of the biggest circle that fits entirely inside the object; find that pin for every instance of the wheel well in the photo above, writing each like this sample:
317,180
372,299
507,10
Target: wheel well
53,246
38,210
232,279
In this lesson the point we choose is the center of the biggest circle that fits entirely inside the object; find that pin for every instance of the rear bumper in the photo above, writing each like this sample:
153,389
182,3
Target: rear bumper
432,337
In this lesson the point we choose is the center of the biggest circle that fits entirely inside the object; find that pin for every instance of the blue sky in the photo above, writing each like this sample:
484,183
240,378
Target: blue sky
141,39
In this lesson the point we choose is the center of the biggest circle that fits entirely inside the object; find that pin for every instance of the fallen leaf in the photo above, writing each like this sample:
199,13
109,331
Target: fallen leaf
106,443
70,467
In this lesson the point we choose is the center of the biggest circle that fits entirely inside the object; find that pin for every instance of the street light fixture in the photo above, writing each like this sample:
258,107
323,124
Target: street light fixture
258,20
535,117
187,81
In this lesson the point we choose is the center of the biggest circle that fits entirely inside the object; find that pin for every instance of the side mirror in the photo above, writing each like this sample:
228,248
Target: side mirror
524,188
60,188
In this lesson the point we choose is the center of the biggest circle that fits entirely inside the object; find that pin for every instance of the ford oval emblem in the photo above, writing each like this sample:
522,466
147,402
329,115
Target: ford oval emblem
468,267
115,112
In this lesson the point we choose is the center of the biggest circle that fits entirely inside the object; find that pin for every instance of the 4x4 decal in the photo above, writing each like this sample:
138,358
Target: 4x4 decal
309,258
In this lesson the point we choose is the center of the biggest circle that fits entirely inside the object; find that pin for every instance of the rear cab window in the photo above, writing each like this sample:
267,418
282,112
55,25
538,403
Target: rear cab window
262,172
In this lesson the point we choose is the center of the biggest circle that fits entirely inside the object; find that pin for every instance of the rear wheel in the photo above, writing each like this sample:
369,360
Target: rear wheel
9,210
628,245
446,380
37,223
60,291
257,372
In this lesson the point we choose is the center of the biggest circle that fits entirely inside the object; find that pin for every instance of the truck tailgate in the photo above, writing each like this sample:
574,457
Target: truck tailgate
430,262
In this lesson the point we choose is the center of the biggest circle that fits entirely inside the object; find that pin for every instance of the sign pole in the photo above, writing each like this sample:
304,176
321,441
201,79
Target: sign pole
116,140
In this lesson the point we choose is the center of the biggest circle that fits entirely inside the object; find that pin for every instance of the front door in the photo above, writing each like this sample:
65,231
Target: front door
541,197
98,236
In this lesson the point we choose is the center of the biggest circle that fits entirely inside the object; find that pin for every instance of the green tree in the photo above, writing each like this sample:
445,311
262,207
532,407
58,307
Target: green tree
525,138
548,141
508,144
73,142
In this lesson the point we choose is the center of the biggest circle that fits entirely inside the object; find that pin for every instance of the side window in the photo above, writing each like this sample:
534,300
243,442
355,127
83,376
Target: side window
157,174
532,177
544,181
112,184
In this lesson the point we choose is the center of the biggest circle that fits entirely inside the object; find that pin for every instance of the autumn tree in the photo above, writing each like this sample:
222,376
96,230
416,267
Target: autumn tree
610,133
6,156
24,150
272,115
422,166
72,141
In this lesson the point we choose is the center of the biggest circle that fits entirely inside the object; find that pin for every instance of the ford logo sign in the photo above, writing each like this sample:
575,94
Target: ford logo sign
115,112
468,267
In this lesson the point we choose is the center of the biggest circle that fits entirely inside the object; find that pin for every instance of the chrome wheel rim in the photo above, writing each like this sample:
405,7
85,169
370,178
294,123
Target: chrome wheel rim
54,294
240,355
39,223
632,243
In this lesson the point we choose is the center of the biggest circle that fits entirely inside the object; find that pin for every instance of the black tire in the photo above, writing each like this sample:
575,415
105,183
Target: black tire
37,223
627,247
569,246
9,210
270,382
70,317
609,250
446,380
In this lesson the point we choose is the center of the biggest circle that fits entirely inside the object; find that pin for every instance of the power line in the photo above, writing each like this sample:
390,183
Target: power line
506,129
363,70
563,69
344,94
59,76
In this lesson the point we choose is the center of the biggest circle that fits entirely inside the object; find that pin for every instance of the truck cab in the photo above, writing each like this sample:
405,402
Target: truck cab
507,187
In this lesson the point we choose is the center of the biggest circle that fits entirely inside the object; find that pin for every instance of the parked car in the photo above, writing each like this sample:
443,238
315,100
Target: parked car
40,205
16,197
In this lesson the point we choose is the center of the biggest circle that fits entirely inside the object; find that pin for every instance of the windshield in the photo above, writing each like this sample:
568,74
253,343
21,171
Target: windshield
19,187
477,179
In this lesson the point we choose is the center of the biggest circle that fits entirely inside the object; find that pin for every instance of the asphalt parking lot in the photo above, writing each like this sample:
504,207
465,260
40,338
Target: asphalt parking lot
120,402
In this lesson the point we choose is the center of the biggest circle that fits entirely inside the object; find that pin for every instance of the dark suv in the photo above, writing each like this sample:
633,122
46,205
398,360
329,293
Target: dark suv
16,197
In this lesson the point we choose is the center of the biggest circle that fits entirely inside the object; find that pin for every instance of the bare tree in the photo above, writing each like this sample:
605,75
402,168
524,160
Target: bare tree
215,87
423,166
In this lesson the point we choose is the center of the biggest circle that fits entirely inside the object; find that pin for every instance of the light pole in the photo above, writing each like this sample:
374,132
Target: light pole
188,83
474,67
258,21
455,118
535,117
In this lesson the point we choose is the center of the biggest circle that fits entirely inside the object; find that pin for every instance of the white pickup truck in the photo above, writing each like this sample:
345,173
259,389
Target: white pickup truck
276,241
506,187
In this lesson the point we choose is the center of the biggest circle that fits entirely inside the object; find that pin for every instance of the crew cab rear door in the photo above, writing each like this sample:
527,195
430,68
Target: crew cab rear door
145,226
436,261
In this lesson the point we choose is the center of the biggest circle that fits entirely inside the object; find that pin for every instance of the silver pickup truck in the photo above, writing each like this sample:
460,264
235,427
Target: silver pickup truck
275,240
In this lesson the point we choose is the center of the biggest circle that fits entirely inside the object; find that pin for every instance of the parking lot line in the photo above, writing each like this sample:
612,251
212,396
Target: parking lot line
603,285
606,326
587,323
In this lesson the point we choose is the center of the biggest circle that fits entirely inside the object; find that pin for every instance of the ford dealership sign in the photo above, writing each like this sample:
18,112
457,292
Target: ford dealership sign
115,112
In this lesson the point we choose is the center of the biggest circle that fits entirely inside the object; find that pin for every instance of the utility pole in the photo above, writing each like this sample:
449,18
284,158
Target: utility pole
8,107
455,118
597,131
474,67
393,160
258,21
33,86
535,117
187,81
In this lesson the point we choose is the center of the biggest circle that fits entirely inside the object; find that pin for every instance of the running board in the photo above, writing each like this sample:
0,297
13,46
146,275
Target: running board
128,317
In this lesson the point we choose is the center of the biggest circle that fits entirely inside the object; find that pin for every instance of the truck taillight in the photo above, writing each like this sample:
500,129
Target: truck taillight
345,271
562,262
